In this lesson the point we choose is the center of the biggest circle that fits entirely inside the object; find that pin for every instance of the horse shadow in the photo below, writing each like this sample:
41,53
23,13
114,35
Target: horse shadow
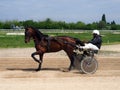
33,69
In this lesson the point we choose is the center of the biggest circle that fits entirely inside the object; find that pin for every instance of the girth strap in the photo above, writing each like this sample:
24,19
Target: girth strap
48,43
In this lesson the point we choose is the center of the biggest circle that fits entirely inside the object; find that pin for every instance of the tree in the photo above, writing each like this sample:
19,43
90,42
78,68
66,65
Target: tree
113,25
113,22
101,25
1,25
103,18
28,23
80,25
7,25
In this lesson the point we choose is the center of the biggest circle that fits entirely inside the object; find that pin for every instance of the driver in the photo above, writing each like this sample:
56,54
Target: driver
94,44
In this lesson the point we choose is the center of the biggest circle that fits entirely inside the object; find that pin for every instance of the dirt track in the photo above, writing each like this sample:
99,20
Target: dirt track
17,72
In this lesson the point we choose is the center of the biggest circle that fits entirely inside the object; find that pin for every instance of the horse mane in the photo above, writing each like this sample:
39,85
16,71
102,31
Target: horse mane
38,33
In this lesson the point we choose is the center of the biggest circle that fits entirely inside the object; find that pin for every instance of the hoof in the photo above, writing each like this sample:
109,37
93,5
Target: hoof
71,68
37,70
64,70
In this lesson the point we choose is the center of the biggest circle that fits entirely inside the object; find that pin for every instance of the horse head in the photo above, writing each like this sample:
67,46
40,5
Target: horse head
31,32
28,34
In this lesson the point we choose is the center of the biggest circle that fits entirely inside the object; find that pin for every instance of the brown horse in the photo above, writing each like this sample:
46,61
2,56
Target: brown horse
46,44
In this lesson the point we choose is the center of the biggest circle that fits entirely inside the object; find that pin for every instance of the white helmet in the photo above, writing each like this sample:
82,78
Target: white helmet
96,32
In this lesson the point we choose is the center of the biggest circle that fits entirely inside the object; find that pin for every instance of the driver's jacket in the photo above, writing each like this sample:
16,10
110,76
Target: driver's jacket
96,41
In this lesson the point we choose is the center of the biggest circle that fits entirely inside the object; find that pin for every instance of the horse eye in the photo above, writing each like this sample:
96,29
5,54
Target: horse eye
27,34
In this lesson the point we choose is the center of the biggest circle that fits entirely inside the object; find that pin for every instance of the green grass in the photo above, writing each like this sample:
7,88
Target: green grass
110,38
14,41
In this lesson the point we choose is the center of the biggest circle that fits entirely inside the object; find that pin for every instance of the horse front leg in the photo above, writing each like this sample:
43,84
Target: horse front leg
38,60
40,64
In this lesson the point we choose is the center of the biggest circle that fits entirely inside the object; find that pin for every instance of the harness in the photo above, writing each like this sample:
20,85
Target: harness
48,39
48,43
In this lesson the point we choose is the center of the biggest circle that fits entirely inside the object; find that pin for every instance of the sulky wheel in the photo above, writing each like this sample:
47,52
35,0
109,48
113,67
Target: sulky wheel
89,65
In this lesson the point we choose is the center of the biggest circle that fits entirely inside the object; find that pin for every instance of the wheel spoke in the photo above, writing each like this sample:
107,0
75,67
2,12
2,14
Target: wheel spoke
89,65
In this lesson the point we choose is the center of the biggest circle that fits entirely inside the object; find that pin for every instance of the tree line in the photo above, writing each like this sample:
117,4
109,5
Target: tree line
51,24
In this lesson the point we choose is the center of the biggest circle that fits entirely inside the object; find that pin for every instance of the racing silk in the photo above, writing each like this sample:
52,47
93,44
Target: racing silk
97,41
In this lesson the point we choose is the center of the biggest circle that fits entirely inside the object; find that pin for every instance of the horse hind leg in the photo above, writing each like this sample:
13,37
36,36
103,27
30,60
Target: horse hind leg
40,64
70,55
72,66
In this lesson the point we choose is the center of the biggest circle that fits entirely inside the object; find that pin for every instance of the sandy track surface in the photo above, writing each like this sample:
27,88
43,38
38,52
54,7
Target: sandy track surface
17,71
109,50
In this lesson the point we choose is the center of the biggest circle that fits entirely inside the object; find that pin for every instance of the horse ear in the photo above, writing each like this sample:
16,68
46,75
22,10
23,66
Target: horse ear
26,28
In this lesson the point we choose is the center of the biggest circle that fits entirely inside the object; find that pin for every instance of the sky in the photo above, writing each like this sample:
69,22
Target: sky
87,11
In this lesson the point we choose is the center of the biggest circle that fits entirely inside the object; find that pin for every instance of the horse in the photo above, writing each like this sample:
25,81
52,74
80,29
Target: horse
46,44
